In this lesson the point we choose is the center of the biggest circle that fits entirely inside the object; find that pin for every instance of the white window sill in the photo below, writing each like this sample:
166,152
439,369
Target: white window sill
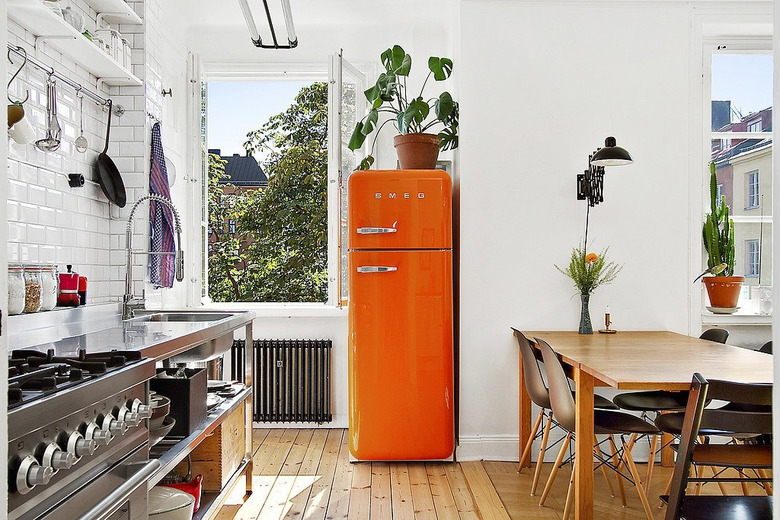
283,310
708,318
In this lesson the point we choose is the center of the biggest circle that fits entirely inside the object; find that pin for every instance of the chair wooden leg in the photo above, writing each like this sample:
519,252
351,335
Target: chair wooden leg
767,485
637,479
554,472
570,492
743,483
720,484
699,472
651,462
540,457
618,464
667,490
527,449
604,470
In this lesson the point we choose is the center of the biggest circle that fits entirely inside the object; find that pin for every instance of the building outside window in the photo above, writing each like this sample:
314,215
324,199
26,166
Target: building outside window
752,190
740,128
752,257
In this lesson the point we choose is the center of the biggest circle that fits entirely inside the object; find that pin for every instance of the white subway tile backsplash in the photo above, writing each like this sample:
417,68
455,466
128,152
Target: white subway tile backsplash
47,216
54,199
28,213
17,190
36,195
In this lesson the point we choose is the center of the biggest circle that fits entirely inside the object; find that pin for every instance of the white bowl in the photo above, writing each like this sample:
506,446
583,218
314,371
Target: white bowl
167,503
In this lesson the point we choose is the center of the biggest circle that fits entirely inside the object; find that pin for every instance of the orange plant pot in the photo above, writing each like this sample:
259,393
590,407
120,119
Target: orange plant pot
723,290
417,151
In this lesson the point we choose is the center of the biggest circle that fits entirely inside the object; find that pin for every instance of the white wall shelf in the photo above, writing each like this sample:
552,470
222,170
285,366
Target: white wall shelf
55,31
115,11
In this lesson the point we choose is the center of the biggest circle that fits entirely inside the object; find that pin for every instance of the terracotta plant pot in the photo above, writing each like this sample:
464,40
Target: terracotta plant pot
417,151
723,290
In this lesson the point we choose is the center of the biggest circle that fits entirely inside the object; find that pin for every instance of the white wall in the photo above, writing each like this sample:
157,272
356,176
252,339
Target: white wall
541,85
776,242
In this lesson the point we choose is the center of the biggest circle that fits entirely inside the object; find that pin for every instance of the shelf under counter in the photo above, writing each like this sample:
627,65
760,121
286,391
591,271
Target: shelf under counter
179,451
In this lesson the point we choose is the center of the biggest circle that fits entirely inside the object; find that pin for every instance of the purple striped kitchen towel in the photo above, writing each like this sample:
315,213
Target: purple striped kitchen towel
161,267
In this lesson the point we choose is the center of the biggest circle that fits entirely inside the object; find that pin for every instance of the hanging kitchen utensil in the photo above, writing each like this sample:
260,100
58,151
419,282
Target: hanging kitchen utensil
108,174
81,141
16,107
53,131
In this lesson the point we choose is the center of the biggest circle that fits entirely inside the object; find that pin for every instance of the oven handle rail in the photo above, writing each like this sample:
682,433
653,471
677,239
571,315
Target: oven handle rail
120,494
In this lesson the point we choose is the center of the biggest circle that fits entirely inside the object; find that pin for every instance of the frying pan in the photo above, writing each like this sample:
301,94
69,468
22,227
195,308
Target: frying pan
108,175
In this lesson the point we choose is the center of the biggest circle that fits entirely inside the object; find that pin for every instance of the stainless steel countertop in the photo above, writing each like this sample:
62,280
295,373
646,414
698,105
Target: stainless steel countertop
100,328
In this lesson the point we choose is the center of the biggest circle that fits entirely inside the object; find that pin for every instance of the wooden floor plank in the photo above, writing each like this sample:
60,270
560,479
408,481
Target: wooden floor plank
317,505
338,505
421,492
268,462
277,503
360,492
307,474
401,492
443,500
381,505
485,496
460,492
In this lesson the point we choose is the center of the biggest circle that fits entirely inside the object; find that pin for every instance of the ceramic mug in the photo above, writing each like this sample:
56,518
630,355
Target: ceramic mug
22,131
15,114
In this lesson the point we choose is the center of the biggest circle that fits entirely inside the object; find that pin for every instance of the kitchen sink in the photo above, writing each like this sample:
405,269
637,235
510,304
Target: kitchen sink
184,317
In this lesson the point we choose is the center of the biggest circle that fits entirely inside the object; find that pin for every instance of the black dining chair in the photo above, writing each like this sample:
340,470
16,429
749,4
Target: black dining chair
766,348
540,396
662,400
700,421
607,422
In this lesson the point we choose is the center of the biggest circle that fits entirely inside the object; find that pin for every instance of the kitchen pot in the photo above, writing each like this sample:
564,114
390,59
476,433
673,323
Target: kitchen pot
158,434
193,487
166,503
161,407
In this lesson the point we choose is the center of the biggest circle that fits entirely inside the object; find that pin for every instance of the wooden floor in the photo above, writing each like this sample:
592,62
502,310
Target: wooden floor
307,474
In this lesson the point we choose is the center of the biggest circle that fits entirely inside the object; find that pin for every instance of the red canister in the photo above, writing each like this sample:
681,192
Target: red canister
83,290
69,287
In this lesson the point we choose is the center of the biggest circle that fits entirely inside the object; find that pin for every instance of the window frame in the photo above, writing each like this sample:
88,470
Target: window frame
290,71
749,258
749,187
701,117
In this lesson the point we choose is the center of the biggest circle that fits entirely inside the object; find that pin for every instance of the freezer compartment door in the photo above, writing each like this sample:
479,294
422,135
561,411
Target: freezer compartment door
400,355
400,209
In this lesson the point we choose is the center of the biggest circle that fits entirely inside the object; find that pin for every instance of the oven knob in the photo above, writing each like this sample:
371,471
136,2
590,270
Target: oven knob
93,432
124,414
114,426
76,444
31,474
144,411
57,459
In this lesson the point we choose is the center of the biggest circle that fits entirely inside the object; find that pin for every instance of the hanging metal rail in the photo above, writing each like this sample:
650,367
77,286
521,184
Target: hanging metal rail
78,88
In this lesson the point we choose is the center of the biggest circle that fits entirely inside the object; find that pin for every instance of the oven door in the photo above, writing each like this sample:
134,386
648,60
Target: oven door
118,494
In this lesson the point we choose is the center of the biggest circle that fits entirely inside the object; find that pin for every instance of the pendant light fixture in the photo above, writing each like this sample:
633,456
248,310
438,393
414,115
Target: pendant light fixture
292,38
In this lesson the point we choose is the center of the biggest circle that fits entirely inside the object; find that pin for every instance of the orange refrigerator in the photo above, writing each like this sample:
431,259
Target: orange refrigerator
401,397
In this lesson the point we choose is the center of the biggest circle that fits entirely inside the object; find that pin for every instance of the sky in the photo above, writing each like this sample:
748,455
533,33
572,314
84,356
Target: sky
237,107
743,79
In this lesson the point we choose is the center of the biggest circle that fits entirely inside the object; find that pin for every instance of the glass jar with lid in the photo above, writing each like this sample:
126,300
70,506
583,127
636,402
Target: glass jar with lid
15,289
32,288
49,284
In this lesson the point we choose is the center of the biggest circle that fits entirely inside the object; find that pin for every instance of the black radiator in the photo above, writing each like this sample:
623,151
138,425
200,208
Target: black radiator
292,379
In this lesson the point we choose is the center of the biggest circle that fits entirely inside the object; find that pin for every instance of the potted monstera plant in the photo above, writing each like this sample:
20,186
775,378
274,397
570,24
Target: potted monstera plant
723,287
414,117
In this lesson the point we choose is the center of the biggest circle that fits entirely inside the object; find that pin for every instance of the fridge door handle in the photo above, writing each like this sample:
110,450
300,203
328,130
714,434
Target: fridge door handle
376,269
375,230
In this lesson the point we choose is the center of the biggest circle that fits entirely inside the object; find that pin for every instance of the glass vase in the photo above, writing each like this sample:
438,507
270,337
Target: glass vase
585,325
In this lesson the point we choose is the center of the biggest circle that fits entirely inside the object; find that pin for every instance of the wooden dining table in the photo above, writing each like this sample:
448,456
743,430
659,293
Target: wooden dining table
634,360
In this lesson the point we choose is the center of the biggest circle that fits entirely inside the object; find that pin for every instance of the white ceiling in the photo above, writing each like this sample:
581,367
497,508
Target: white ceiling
311,12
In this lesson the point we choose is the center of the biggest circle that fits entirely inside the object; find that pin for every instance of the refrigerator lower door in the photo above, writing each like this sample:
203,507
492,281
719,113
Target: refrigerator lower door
401,401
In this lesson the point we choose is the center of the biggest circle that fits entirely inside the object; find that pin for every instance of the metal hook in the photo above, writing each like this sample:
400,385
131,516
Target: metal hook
27,96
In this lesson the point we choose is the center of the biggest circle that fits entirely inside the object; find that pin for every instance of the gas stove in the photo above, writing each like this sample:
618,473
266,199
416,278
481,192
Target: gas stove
78,438
34,375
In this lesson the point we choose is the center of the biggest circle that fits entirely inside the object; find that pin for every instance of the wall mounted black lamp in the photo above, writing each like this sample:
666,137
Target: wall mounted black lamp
590,183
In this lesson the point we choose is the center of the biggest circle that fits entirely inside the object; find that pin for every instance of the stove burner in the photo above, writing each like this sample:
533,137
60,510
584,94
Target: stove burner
33,374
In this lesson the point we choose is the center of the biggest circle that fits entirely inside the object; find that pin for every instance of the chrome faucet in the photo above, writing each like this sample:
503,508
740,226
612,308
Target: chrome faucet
129,302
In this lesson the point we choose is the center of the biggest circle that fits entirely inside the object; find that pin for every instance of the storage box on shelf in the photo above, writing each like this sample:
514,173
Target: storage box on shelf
43,23
218,457
188,398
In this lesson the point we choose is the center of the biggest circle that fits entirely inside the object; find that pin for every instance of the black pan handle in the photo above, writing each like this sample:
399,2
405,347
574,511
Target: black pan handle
108,126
